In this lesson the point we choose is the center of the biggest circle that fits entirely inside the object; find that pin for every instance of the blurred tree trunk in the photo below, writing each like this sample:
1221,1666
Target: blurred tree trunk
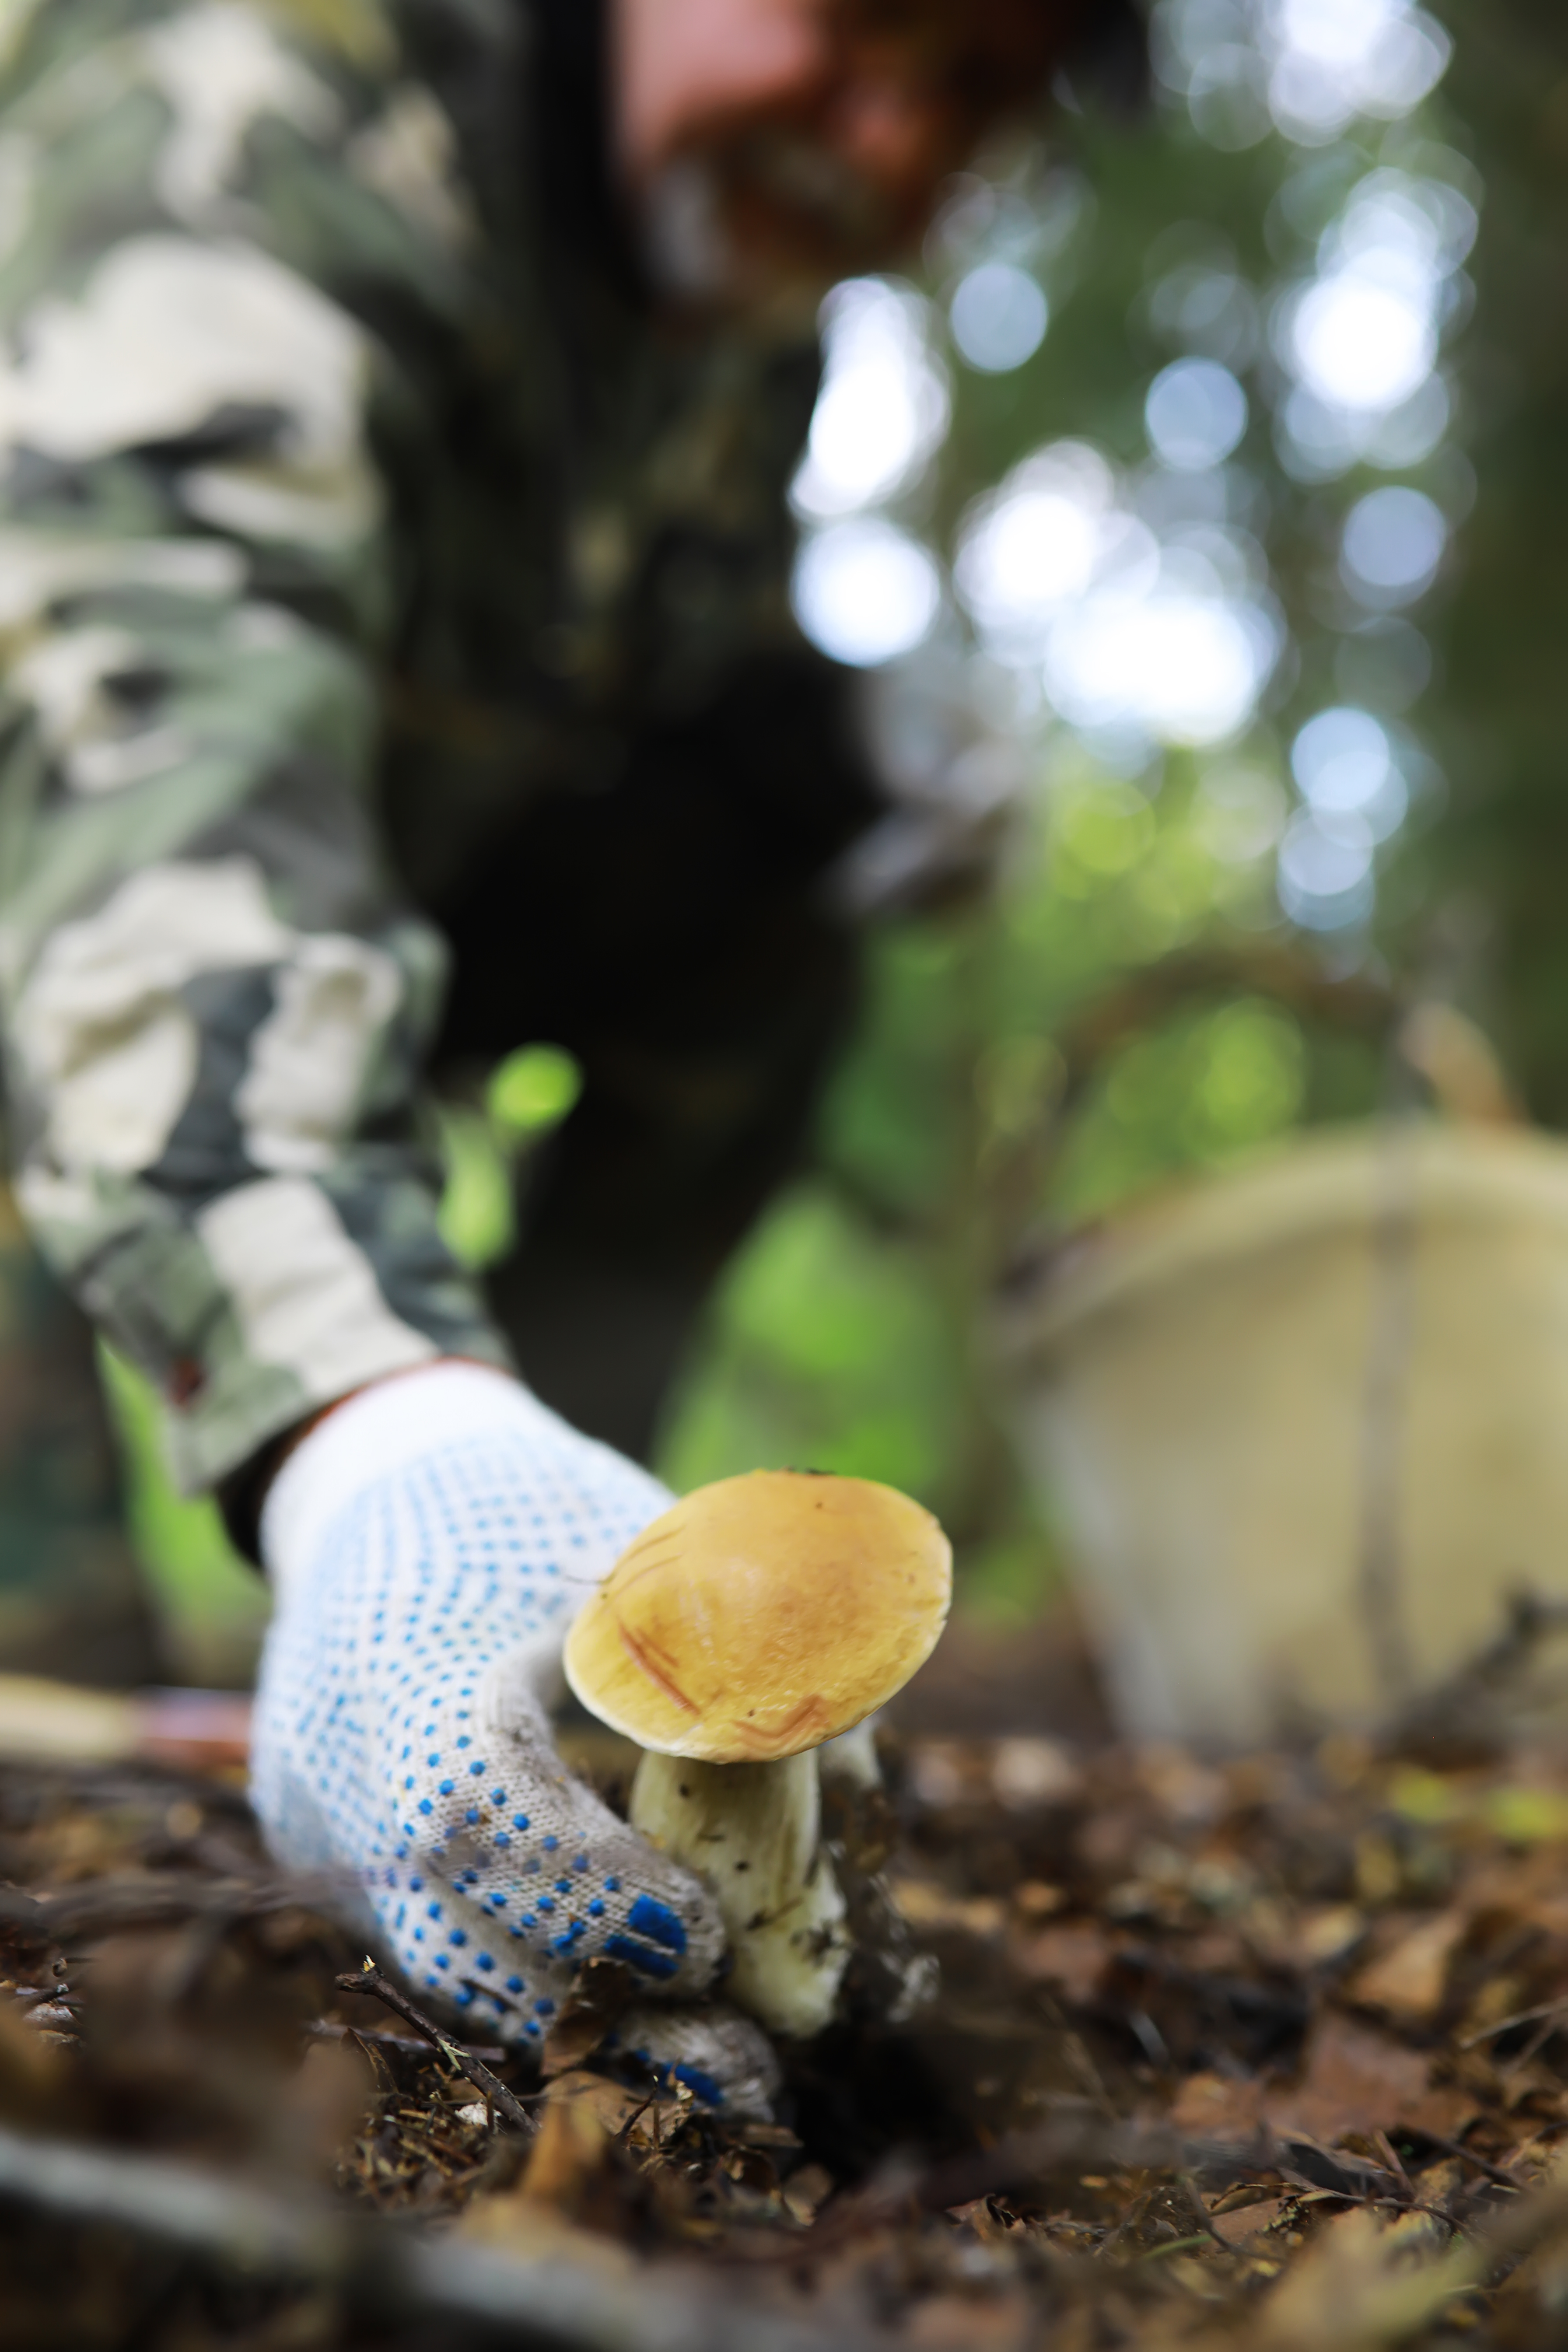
1500,723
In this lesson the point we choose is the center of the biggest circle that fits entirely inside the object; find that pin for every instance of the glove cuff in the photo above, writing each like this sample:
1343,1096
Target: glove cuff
379,1431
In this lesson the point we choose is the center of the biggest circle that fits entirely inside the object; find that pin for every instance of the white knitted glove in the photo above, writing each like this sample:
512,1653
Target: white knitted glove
430,1542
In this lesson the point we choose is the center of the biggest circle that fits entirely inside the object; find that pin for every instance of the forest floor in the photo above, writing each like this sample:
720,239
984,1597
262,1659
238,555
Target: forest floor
1268,2053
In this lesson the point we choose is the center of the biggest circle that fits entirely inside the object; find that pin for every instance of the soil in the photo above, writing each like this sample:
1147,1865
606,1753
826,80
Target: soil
1268,2052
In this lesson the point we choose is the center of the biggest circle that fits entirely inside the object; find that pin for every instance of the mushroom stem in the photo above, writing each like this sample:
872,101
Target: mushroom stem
754,1831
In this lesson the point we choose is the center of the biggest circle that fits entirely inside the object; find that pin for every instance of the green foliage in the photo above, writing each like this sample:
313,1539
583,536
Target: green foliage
855,1327
527,1095
533,1090
829,1353
852,1332
211,1605
1190,1096
478,1217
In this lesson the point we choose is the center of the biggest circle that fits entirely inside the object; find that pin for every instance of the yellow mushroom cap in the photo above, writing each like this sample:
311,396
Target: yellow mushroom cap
762,1616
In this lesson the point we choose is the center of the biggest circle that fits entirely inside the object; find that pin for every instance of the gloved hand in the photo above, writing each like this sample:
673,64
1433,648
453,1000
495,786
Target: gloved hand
429,1542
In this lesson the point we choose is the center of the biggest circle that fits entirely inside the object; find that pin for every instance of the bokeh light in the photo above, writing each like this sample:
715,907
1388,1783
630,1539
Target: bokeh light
1169,640
1332,60
998,316
1343,762
1391,545
1361,338
1227,97
865,592
1185,668
1325,875
1195,413
883,406
1033,545
1307,67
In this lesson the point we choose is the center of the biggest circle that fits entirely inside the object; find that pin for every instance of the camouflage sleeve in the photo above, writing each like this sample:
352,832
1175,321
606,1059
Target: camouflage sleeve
224,230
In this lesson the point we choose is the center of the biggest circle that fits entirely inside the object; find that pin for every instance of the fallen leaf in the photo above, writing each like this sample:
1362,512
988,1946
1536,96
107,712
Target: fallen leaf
1527,1816
936,1772
1184,1790
507,2220
1325,1933
1356,2079
1246,2220
1409,1980
807,2190
1217,2106
601,1993
572,2167
1073,1957
611,2104
1359,2285
929,1906
322,2102
1028,1772
971,2323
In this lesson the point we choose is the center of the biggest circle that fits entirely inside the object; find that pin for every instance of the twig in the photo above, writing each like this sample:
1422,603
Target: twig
1507,2025
1356,1004
1531,2050
1194,2196
551,2303
1024,2158
1066,2145
391,1996
1391,2157
1475,1697
99,1905
327,2029
381,2073
1407,2199
1468,2155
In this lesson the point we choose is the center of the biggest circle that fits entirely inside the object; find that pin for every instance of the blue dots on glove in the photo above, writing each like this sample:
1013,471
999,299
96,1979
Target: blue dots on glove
400,1737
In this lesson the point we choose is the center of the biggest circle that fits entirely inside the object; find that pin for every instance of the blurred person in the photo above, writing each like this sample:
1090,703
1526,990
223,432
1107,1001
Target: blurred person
399,404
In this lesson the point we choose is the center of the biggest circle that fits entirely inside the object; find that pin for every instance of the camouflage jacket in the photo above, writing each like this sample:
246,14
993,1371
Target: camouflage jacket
347,494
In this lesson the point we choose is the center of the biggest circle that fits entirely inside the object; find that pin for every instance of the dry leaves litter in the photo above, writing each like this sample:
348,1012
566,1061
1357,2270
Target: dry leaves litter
1271,2052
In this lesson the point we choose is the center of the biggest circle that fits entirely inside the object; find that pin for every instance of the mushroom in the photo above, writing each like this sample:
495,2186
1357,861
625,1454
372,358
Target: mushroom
759,1618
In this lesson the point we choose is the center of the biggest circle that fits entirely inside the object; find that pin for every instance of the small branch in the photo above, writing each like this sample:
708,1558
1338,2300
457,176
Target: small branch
1507,2025
1481,1697
1356,1006
1390,2155
101,1904
1023,2158
325,2029
1468,2155
1062,2149
549,2303
505,2103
